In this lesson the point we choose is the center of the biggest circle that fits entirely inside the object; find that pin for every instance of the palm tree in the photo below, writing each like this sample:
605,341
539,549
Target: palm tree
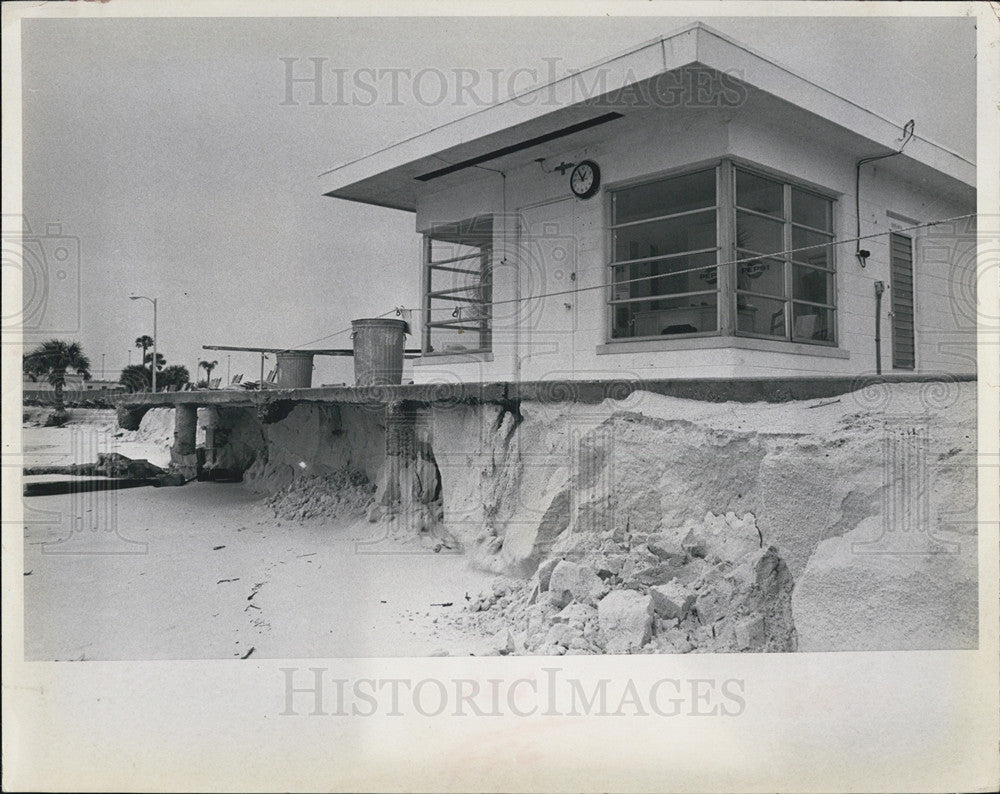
208,366
51,359
135,377
174,375
145,342
160,360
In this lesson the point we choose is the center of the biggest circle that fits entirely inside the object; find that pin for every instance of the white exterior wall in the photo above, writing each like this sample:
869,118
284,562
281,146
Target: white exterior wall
556,342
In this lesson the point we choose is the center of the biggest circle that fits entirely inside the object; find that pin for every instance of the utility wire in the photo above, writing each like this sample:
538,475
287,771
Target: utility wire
338,333
744,260
702,268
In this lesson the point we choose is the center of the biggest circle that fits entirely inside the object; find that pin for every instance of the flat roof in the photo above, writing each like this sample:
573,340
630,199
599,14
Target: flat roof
391,177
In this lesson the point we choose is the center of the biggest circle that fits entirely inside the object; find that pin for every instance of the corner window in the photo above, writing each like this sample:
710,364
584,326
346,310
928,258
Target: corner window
666,244
458,290
778,295
663,233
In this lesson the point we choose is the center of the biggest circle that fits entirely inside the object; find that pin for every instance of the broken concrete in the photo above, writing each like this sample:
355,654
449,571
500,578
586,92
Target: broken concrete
575,582
109,464
743,603
626,619
671,600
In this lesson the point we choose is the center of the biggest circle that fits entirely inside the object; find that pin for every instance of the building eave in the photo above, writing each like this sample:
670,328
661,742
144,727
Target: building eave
389,177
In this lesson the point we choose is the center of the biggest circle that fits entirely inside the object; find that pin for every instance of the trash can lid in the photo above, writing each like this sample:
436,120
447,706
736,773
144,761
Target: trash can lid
385,322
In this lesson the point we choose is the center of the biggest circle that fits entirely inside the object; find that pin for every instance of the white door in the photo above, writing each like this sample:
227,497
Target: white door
547,319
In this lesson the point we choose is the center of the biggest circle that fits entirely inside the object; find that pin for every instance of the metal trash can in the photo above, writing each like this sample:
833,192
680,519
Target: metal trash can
378,351
295,369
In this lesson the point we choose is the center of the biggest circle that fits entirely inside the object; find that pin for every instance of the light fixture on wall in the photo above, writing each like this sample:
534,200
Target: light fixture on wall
908,129
562,168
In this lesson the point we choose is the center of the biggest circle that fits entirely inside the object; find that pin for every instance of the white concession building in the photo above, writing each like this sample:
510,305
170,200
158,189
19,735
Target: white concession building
687,209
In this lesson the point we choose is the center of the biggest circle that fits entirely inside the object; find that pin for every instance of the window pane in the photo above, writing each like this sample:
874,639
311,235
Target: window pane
450,340
462,252
696,274
665,197
665,317
760,235
812,210
820,257
756,315
674,236
452,280
761,275
811,324
476,232
444,250
757,193
813,285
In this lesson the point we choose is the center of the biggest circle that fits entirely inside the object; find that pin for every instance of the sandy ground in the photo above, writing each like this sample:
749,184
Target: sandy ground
202,572
88,433
205,571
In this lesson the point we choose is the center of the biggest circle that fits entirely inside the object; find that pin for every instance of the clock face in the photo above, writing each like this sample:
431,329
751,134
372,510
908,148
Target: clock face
585,179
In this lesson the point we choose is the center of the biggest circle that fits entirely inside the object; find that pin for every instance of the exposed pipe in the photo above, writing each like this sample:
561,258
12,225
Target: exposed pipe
908,128
879,289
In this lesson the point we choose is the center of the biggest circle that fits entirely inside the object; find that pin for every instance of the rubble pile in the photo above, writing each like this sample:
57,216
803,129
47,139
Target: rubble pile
341,493
709,586
109,464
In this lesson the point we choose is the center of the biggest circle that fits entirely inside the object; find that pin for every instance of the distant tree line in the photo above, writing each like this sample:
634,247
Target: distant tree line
139,377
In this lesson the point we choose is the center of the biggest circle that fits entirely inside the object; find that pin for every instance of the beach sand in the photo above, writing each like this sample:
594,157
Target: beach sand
204,571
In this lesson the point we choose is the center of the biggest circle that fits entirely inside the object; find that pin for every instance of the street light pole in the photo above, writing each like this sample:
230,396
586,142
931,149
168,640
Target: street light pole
153,301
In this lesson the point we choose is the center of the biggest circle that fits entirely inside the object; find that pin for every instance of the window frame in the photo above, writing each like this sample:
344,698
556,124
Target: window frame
483,327
727,292
789,262
611,226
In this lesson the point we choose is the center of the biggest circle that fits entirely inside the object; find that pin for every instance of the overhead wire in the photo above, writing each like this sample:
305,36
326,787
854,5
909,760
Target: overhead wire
702,268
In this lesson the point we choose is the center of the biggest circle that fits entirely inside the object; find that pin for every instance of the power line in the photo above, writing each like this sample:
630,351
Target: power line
700,269
335,333
744,260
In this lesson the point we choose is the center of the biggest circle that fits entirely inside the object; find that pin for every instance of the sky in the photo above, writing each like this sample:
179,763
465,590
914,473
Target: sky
167,151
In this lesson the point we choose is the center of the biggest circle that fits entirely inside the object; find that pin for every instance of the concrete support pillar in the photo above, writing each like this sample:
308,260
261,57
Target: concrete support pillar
399,443
183,454
410,485
210,417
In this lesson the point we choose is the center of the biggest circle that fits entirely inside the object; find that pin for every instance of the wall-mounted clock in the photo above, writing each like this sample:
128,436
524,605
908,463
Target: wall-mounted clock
585,180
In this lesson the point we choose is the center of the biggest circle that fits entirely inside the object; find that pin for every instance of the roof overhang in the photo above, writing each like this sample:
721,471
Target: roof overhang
523,125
